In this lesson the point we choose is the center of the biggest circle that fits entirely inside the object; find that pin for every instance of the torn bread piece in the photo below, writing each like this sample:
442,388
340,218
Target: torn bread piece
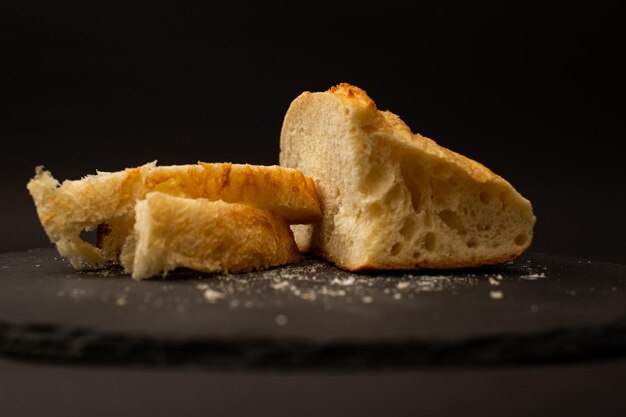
286,192
108,200
208,236
392,199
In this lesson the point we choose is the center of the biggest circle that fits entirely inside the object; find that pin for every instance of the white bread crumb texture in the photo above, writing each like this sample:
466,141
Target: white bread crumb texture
271,197
392,199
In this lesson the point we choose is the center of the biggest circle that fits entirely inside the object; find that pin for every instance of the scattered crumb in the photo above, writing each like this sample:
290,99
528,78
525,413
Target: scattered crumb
201,287
397,296
280,319
534,308
212,296
344,282
280,285
367,299
402,285
493,281
496,295
534,276
120,301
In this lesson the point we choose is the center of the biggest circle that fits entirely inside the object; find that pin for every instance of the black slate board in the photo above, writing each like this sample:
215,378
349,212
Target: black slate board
538,308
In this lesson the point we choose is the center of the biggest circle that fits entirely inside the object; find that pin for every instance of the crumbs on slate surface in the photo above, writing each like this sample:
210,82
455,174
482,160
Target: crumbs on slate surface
310,281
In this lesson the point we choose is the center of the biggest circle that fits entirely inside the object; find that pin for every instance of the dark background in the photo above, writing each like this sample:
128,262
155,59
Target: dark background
531,91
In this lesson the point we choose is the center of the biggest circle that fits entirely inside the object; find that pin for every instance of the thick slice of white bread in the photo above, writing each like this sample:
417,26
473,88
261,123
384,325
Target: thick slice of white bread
209,236
108,199
393,199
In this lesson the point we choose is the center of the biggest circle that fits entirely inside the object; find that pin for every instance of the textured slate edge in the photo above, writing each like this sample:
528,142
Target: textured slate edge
47,343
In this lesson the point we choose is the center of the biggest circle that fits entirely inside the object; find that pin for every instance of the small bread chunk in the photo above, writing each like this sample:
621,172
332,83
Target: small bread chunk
68,209
107,200
392,199
209,236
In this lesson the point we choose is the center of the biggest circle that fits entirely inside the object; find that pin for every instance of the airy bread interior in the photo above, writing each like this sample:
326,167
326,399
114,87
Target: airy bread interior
209,236
107,201
394,199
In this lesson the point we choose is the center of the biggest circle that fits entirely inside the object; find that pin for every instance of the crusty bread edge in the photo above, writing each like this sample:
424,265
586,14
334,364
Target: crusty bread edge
414,266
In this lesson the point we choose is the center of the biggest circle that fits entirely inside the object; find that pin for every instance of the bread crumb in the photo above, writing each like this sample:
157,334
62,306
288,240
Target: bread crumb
280,285
367,299
397,296
496,295
493,281
534,308
342,282
281,319
534,276
212,296
402,285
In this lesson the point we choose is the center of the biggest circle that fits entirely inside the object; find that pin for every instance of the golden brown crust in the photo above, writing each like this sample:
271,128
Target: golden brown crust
476,263
285,191
65,210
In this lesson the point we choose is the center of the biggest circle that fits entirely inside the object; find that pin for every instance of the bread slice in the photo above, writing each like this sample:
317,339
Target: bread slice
108,200
392,199
286,192
209,236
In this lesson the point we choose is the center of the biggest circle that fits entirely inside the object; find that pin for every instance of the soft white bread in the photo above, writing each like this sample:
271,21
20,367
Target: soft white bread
209,236
108,199
285,192
68,209
393,199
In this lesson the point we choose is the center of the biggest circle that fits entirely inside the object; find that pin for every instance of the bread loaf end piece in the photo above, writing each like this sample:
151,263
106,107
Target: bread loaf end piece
392,199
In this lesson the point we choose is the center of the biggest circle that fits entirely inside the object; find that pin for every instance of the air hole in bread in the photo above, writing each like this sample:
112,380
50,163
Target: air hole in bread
485,197
396,248
89,236
415,255
452,220
408,228
430,241
472,243
520,239
411,174
374,211
376,175
394,194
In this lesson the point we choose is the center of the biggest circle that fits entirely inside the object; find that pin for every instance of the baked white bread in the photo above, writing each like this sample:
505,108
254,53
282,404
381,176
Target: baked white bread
392,199
209,236
286,192
65,210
